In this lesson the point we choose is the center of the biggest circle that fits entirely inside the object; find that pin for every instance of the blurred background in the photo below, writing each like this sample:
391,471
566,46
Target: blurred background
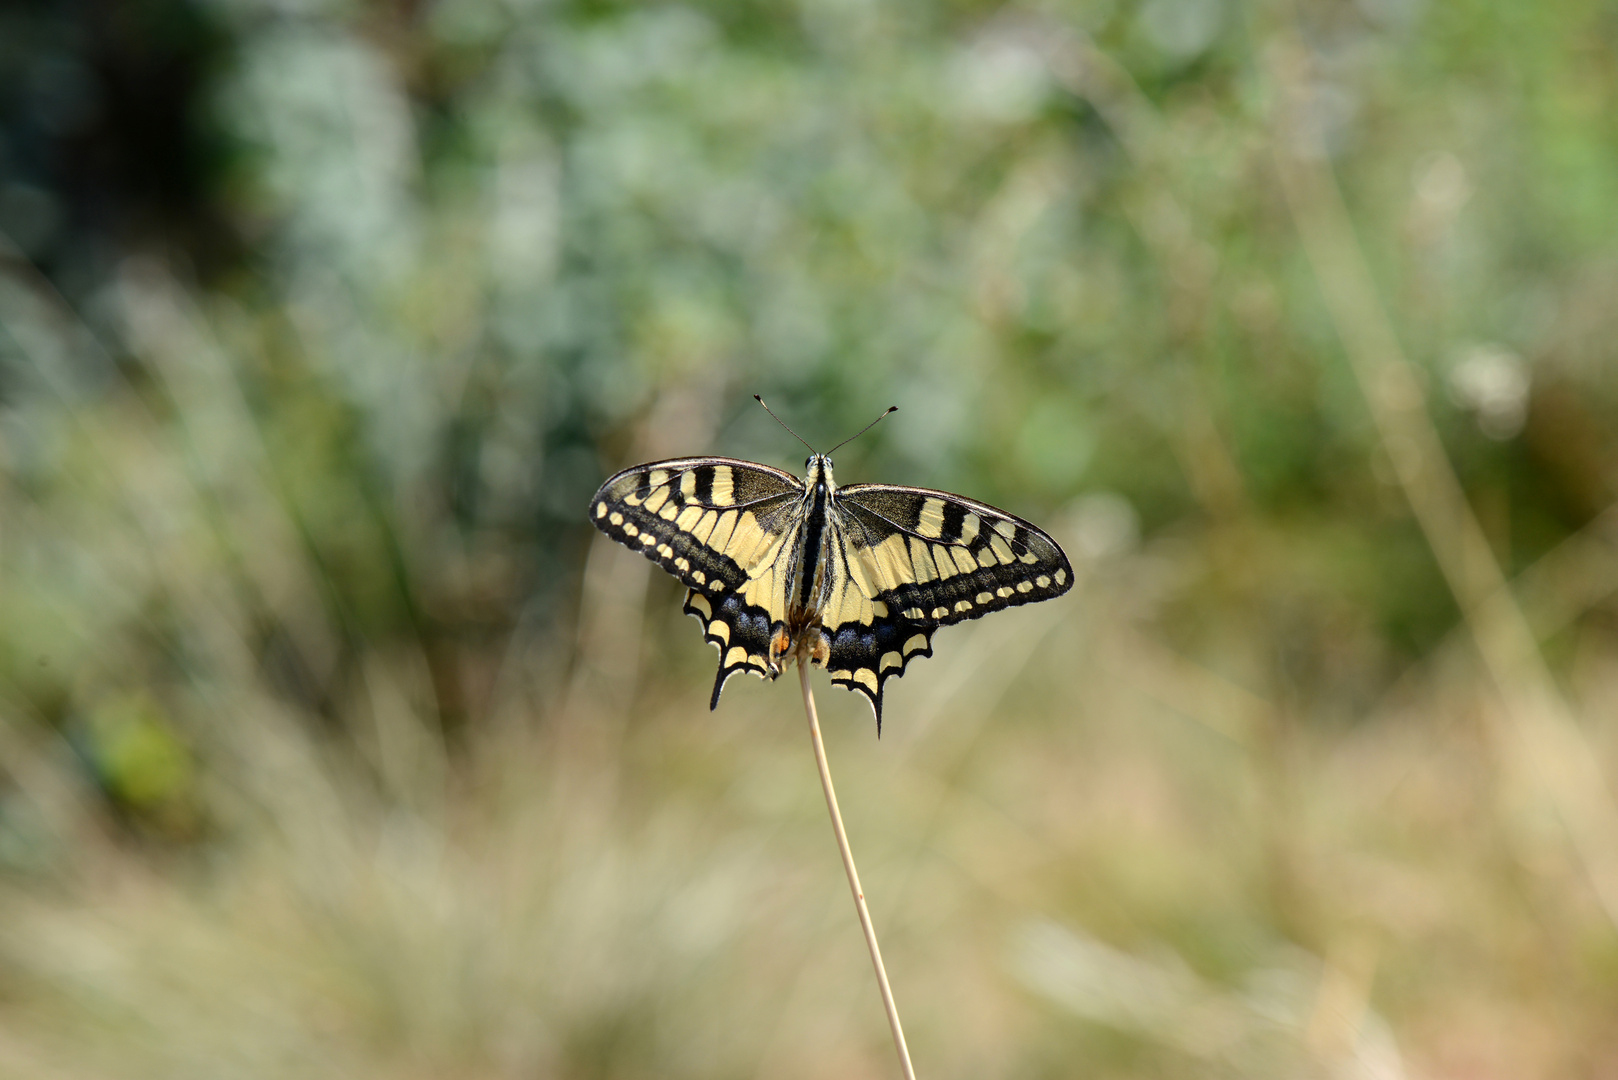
334,742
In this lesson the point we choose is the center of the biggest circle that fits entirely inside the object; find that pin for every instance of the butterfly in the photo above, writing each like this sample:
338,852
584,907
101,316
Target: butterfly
853,579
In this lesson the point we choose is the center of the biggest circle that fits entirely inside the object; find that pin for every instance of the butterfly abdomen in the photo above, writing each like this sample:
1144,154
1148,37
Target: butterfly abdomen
810,563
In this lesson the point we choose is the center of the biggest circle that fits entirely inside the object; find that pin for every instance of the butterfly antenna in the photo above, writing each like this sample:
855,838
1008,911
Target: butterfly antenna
861,431
783,423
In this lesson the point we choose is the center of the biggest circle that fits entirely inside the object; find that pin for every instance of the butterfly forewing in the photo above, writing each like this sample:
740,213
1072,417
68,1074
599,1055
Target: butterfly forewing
913,560
724,528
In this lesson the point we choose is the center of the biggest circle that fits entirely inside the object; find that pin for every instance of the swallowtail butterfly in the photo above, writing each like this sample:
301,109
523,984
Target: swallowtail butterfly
859,577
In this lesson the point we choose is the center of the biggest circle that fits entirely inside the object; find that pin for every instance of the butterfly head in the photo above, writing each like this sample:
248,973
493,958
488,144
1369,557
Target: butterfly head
817,473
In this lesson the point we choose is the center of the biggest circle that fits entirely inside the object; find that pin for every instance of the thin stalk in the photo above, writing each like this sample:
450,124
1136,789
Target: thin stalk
853,874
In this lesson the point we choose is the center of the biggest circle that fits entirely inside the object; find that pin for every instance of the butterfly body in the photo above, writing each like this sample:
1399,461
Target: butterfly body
854,580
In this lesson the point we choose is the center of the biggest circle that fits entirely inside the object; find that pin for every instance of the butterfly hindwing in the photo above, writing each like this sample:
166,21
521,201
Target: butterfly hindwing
720,526
741,632
865,655
913,560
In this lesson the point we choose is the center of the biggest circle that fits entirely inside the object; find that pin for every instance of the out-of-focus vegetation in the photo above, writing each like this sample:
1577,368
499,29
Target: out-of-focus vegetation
334,743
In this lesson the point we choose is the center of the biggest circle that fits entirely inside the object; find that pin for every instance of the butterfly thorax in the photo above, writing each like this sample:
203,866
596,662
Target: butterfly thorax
808,580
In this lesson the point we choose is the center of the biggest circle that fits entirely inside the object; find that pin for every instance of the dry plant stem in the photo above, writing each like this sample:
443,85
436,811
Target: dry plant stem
853,874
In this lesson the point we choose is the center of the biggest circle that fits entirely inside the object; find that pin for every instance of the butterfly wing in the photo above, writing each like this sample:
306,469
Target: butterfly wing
910,560
725,529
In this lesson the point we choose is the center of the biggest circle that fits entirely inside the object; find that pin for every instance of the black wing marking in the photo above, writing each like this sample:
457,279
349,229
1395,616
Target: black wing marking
741,632
713,523
913,560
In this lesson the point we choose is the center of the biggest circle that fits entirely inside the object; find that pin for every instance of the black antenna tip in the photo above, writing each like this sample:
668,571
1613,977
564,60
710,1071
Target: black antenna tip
863,430
782,422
